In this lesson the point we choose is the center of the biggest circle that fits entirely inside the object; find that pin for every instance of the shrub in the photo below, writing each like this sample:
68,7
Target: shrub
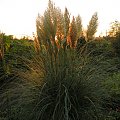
59,84
112,85
73,92
116,45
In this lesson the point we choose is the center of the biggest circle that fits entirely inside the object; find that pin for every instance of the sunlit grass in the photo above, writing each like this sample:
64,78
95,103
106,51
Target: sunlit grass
56,81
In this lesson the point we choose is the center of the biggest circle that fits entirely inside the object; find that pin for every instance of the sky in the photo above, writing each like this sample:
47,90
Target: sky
17,17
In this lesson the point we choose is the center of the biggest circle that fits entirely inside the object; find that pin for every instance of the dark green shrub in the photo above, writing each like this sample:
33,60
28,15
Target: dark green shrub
112,85
116,45
58,86
80,43
103,47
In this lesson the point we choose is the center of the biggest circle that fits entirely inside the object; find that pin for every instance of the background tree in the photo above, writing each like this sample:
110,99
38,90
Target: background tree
115,34
114,29
92,27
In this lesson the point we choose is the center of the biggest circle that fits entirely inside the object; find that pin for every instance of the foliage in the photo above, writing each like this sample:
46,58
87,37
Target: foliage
13,53
4,50
112,85
92,27
80,44
116,46
61,87
66,22
56,82
116,41
60,24
103,47
73,33
79,26
114,29
68,79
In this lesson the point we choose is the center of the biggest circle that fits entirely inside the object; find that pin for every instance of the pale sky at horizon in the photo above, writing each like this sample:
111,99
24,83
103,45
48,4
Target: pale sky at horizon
17,17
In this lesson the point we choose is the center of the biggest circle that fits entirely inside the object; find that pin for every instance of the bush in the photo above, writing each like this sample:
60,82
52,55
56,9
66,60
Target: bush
65,86
59,83
97,48
112,85
116,45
